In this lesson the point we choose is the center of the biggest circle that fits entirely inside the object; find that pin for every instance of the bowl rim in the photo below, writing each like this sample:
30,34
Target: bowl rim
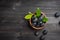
39,28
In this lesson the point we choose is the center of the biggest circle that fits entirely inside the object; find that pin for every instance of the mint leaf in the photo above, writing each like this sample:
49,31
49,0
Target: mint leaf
38,12
28,16
45,19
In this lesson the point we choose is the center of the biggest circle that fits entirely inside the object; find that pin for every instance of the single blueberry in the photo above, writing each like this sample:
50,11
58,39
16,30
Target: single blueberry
40,18
33,17
35,20
41,24
36,33
57,14
34,23
42,37
45,32
59,22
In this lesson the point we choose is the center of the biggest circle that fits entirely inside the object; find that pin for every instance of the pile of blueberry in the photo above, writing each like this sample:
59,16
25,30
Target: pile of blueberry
37,22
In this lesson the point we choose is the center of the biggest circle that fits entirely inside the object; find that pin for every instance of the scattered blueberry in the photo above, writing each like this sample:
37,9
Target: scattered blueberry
42,37
59,22
57,14
45,32
36,33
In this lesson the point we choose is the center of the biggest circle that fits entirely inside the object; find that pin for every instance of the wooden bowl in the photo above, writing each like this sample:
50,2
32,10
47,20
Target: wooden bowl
37,28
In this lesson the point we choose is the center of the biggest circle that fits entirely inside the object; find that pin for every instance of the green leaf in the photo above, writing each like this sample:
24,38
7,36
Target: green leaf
45,19
28,16
38,12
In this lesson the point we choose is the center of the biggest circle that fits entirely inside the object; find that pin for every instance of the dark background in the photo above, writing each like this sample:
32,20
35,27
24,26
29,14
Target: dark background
13,25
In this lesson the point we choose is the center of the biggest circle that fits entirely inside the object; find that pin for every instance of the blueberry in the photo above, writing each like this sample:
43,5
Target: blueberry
40,22
33,17
34,23
45,32
35,20
42,37
40,18
38,25
57,14
36,33
59,22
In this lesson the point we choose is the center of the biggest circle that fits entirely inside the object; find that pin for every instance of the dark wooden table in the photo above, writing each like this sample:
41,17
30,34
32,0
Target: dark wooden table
13,25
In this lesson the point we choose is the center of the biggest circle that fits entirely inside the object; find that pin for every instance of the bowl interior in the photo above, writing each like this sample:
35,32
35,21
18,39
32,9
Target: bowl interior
37,22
